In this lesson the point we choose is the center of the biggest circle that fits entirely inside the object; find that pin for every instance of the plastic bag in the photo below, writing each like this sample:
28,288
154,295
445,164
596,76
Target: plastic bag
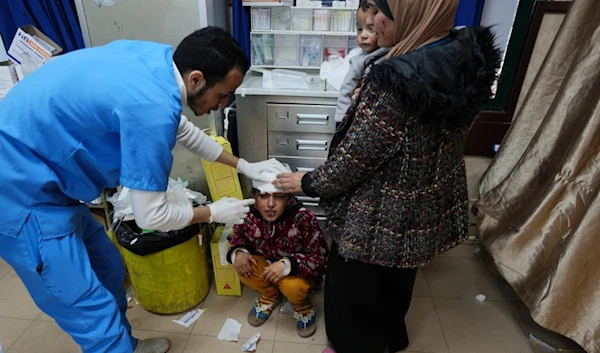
132,238
177,193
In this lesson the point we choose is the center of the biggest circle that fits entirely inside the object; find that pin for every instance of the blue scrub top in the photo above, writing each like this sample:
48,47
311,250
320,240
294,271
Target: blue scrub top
85,121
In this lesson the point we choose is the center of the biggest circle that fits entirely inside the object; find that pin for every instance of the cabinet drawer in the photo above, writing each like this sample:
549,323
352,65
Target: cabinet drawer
301,118
301,164
312,204
298,144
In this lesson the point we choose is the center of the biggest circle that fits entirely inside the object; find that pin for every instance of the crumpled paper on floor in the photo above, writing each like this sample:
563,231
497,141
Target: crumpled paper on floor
230,331
287,308
250,345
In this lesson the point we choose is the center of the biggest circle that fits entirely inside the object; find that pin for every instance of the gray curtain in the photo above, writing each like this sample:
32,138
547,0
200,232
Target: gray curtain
540,197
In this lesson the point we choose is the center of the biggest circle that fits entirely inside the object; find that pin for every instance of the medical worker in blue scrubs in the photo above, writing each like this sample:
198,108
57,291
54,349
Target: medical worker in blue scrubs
94,119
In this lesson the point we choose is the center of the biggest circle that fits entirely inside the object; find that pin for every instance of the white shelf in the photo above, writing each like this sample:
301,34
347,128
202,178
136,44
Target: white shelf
285,67
323,7
277,4
266,4
314,33
253,86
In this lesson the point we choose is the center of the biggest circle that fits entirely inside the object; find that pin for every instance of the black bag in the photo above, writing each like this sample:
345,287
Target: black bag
130,236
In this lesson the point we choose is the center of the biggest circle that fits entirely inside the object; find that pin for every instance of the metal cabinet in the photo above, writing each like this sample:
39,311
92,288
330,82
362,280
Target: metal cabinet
296,127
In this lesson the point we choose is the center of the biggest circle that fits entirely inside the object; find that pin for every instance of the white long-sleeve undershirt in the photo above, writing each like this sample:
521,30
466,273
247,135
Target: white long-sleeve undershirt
151,209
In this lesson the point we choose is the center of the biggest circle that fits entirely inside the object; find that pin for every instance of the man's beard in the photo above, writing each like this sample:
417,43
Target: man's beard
195,98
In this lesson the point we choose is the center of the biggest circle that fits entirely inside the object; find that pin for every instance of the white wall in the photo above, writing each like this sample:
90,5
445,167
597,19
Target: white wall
500,14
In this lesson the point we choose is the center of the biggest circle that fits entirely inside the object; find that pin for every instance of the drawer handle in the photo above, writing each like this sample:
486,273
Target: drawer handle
313,145
308,199
310,204
303,169
312,119
281,115
321,218
283,143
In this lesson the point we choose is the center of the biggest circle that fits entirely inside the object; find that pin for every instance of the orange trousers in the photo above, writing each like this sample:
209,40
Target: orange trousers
295,289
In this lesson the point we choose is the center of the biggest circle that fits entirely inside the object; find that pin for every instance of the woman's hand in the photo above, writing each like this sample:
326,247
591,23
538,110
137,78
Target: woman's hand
289,182
355,94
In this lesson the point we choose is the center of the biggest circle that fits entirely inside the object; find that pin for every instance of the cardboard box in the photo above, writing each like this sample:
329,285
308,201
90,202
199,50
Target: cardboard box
8,77
223,180
31,49
227,281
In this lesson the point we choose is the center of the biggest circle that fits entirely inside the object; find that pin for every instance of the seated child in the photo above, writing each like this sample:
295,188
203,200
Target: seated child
367,41
278,251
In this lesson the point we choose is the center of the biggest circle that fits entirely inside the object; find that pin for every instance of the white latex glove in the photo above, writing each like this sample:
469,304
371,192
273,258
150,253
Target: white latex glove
254,170
229,210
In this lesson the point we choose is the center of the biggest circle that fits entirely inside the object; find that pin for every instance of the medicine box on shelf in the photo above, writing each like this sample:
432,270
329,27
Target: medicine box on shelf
294,50
342,21
286,50
262,49
301,19
301,37
334,47
310,50
322,20
281,18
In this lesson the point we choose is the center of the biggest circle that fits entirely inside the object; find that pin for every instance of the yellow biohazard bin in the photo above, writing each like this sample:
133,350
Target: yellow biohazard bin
173,280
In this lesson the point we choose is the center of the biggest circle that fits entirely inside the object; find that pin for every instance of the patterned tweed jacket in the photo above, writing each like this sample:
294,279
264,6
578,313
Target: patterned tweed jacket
394,187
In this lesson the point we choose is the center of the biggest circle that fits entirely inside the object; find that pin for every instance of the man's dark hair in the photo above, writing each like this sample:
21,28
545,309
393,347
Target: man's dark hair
211,50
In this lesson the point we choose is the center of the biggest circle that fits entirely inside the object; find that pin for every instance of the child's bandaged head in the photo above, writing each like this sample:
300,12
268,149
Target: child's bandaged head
271,174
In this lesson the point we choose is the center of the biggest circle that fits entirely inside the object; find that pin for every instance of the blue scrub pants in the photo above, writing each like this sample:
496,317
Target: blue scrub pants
77,279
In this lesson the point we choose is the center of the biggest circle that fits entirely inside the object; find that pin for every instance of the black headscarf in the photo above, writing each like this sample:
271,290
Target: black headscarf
385,8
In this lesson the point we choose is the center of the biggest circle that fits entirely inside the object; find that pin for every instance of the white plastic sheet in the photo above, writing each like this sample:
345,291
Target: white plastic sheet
251,343
102,3
230,331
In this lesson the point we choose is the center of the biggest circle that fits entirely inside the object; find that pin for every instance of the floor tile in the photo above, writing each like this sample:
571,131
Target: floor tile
473,327
11,330
44,337
206,344
424,329
507,290
4,270
44,317
219,308
421,289
15,301
178,340
284,347
3,263
286,326
461,279
141,319
547,337
462,252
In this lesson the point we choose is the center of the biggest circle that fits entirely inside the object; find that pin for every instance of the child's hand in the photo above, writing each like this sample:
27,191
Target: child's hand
274,272
243,264
355,94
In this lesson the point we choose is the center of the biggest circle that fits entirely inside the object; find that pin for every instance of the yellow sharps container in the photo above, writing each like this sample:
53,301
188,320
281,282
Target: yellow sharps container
173,280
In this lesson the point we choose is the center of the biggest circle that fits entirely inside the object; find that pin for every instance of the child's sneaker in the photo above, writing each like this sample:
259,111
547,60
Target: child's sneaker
329,350
262,310
307,323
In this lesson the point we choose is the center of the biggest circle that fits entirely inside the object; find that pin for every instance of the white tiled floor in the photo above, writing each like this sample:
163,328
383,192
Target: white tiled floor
444,317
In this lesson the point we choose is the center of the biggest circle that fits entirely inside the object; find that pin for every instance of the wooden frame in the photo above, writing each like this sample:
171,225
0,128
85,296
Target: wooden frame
495,120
